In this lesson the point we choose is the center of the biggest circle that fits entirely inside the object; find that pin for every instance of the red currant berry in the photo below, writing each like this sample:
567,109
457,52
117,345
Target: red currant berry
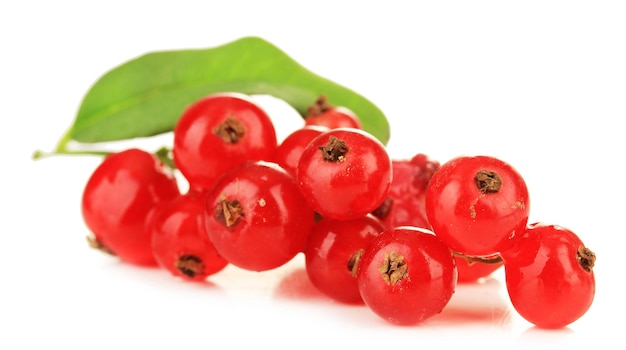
344,173
118,200
477,204
218,132
322,113
288,152
472,270
406,202
179,241
332,253
406,275
256,216
549,276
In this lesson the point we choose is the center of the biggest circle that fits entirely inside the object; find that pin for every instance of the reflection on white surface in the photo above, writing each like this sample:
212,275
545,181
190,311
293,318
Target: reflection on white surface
476,303
482,302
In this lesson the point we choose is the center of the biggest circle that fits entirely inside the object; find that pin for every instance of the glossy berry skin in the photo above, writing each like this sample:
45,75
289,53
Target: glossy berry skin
179,240
477,204
344,173
323,113
288,152
549,276
332,253
218,132
256,217
406,275
118,200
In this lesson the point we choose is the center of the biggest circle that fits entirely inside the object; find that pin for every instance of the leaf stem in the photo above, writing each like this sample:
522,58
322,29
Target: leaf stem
39,154
63,149
165,156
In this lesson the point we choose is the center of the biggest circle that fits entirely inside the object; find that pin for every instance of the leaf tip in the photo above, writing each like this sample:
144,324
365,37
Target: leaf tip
38,154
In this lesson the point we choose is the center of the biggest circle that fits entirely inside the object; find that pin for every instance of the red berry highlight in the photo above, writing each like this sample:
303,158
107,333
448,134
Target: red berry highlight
333,252
323,113
256,217
477,205
179,241
119,198
406,275
549,276
219,132
344,173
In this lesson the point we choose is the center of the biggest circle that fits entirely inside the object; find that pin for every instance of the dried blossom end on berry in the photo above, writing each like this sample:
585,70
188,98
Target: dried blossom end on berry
335,150
231,130
393,269
97,245
488,181
320,106
353,262
586,258
229,212
190,265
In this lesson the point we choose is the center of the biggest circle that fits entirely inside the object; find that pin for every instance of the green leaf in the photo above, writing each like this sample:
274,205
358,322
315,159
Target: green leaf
146,96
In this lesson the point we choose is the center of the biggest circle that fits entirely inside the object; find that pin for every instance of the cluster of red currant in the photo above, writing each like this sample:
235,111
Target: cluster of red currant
479,207
395,235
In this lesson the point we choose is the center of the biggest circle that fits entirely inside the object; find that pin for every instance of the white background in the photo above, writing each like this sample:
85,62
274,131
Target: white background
540,84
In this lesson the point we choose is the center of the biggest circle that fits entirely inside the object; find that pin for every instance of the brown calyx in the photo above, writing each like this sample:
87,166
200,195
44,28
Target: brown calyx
353,262
335,150
97,245
229,212
231,130
189,265
488,181
586,258
393,269
320,106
